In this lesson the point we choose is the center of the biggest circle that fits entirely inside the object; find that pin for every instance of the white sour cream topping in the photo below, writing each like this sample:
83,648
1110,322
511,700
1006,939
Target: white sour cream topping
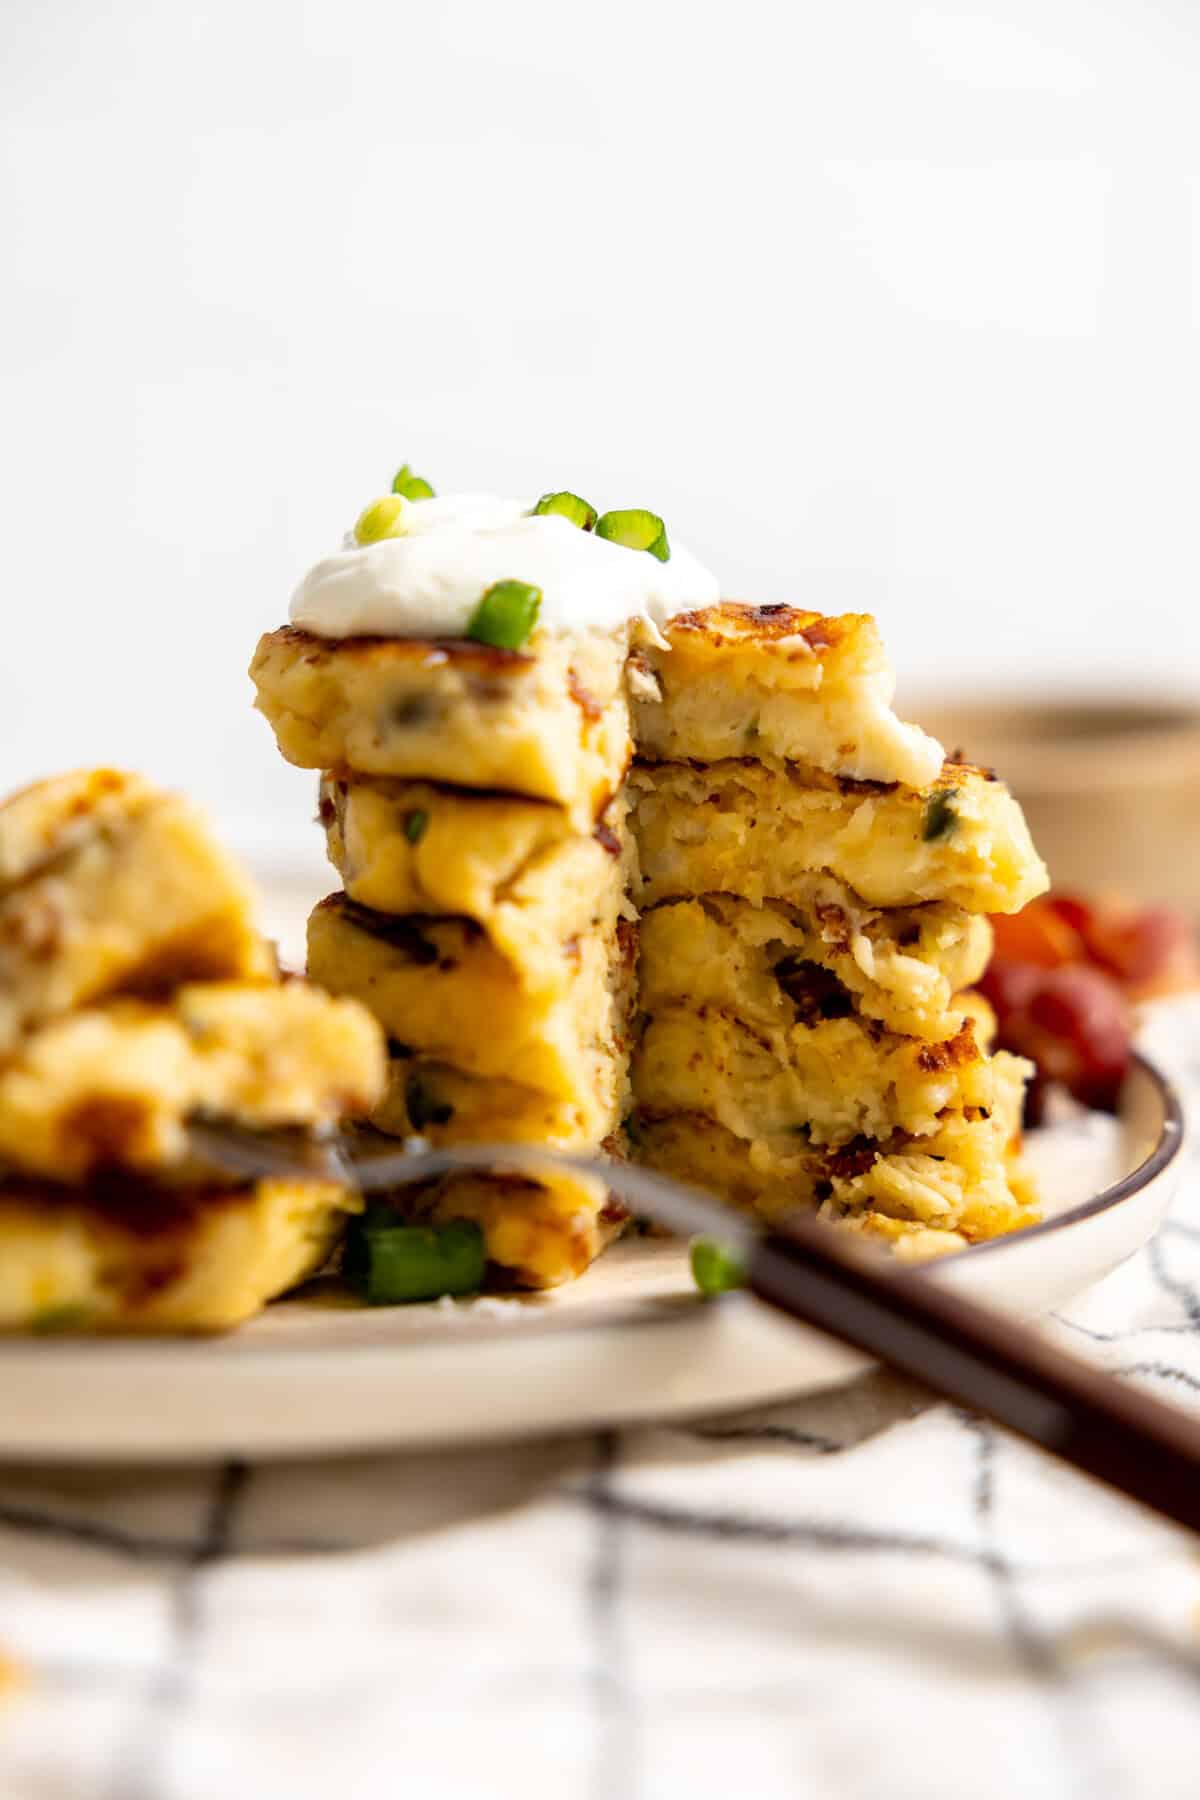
429,582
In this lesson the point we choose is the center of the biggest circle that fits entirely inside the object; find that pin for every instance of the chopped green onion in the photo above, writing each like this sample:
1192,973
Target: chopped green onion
382,519
393,1263
413,487
637,530
422,1103
941,815
415,824
568,506
71,1315
715,1267
506,615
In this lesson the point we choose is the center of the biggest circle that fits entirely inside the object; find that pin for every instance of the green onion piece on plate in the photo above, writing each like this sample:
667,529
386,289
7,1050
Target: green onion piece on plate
637,530
568,506
382,519
715,1267
413,487
393,1263
415,825
506,615
70,1315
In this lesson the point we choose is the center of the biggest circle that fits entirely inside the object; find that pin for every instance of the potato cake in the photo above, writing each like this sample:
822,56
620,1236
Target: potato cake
440,987
108,885
514,866
962,1185
550,720
826,1077
115,1085
128,1255
774,681
749,828
902,967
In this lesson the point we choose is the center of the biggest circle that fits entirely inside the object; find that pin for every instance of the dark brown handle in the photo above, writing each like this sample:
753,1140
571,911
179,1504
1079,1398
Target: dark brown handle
986,1361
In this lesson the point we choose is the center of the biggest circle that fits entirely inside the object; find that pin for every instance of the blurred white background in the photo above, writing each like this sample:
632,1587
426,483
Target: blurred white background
883,305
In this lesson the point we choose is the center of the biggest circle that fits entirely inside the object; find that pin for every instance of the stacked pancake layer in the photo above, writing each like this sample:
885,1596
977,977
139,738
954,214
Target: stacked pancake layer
136,994
813,882
472,807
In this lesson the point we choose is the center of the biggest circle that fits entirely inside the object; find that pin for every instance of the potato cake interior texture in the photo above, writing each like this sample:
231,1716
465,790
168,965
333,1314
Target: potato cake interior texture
549,720
814,880
137,994
902,967
960,1185
757,829
827,1079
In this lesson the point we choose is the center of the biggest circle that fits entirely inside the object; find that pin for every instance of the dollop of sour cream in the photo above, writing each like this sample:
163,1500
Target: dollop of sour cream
429,582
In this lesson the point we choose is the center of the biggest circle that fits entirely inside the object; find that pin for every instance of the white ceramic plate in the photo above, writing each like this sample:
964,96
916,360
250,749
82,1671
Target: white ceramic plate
630,1341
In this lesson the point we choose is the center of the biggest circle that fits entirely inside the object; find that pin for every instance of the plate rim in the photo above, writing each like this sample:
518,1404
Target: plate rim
1169,1145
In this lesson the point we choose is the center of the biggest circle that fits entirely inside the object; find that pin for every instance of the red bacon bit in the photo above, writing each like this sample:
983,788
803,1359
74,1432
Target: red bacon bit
586,701
823,635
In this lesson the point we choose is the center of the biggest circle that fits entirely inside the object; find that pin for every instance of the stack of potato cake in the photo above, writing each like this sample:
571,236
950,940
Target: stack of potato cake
812,881
471,797
136,994
813,888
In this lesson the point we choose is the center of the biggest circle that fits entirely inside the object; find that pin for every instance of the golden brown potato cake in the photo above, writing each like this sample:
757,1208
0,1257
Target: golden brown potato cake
537,1233
775,681
514,866
902,966
550,720
434,1100
128,1256
759,830
928,1195
115,1085
825,1079
440,987
108,885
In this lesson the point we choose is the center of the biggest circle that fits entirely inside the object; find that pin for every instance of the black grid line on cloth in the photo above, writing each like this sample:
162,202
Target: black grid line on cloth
90,1534
139,1771
1036,1653
613,1774
818,1534
1176,1286
1162,1371
791,1435
822,1534
1176,1227
1123,1337
1086,1775
144,1546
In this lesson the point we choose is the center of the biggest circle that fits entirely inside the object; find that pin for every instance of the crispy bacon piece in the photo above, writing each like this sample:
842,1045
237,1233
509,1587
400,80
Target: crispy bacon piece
1063,981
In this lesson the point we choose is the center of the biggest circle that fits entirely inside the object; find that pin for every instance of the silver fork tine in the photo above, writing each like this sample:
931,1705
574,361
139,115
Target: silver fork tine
374,1163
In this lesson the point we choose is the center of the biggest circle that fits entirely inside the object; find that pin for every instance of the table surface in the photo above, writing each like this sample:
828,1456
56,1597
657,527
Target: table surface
865,1593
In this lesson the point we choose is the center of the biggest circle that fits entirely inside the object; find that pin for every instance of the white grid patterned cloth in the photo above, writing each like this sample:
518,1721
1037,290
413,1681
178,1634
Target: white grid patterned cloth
861,1594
